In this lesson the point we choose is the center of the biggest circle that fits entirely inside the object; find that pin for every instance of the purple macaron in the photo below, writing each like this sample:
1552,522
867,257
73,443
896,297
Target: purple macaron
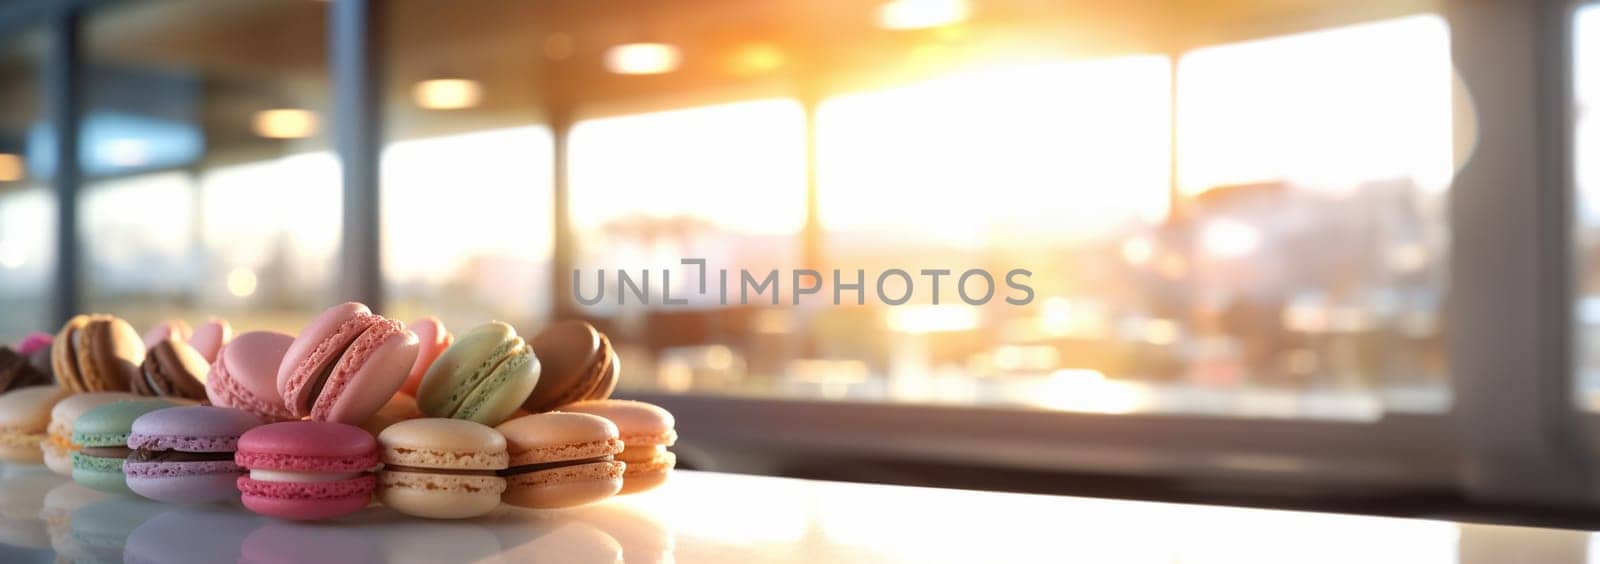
185,454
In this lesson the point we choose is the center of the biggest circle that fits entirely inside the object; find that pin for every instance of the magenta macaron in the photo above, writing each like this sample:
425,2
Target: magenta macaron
345,365
245,375
307,470
185,454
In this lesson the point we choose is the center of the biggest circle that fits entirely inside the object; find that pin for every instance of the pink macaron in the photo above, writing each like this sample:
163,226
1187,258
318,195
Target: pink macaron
345,365
33,342
245,375
170,329
209,338
432,340
306,470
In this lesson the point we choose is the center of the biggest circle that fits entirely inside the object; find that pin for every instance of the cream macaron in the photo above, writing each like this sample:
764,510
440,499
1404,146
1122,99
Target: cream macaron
58,446
441,468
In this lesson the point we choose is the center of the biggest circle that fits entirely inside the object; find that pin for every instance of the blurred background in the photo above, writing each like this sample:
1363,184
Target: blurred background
1243,219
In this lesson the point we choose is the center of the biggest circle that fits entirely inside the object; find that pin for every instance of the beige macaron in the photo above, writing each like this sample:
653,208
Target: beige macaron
57,445
441,468
646,430
561,460
24,415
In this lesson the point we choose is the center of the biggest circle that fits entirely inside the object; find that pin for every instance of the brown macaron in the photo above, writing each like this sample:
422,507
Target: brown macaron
172,368
97,353
17,372
577,363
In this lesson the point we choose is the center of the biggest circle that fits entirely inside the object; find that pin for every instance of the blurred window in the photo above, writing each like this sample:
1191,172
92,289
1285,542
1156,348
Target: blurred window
467,226
209,187
27,205
725,183
1586,83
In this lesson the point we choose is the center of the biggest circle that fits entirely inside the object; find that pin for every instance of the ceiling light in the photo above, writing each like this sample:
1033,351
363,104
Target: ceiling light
918,14
11,168
756,58
447,94
285,123
642,58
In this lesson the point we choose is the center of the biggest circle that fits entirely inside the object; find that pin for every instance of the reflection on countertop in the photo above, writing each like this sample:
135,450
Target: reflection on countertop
707,517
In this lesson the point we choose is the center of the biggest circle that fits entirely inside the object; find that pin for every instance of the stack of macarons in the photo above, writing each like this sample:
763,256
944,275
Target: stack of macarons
315,425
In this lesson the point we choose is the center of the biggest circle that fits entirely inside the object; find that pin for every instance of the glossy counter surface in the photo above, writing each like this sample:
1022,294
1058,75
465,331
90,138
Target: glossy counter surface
706,517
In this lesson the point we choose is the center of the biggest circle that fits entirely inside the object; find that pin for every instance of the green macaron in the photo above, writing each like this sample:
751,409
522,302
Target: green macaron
484,376
103,432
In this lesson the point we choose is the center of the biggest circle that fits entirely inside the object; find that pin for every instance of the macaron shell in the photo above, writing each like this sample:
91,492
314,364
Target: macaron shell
109,352
640,477
500,395
184,482
172,329
638,422
570,358
454,444
110,424
432,340
199,428
172,368
209,338
306,501
16,371
245,374
369,373
320,345
33,342
62,358
400,407
564,487
104,474
308,446
556,437
440,496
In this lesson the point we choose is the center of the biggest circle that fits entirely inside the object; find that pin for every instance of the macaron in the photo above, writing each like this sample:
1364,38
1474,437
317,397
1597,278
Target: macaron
209,337
185,454
432,340
57,445
442,468
33,342
172,368
245,375
170,329
399,408
24,415
345,365
484,377
576,363
646,431
561,460
103,432
17,371
306,470
96,353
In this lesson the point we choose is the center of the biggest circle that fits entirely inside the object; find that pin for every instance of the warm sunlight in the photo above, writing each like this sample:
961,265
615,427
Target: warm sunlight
1326,110
1011,154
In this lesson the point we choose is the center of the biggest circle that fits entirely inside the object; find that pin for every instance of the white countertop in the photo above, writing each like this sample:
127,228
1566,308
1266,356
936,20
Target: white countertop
708,517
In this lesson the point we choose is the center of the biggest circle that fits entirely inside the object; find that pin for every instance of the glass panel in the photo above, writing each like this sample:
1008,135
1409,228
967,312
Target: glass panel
1253,228
27,206
1586,83
210,189
468,170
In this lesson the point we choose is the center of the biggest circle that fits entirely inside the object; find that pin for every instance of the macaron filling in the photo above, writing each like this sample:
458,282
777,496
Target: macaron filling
542,466
289,476
107,452
449,471
154,455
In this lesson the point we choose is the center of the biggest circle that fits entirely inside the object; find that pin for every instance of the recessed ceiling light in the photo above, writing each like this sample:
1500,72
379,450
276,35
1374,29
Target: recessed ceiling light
642,58
285,123
918,14
447,93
